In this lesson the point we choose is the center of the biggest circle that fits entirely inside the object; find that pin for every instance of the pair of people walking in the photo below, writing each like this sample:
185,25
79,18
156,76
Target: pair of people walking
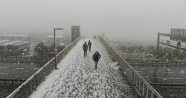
86,47
96,56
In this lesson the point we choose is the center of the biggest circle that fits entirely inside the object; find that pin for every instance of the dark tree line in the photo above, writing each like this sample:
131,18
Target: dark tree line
47,51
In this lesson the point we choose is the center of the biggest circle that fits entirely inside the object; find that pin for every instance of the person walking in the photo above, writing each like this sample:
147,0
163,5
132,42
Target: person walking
96,58
85,48
179,44
89,45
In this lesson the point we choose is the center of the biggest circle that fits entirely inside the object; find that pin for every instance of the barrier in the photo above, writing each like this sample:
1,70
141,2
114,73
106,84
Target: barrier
143,88
10,84
30,85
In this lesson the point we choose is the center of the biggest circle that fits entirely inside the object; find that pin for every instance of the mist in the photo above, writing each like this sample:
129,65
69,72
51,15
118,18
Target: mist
126,20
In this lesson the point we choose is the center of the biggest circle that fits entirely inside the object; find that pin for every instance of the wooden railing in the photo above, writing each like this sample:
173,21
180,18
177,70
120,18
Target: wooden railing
143,88
30,85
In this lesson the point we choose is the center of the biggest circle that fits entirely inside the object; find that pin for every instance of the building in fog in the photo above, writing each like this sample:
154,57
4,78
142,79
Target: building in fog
179,32
75,32
13,48
12,45
14,37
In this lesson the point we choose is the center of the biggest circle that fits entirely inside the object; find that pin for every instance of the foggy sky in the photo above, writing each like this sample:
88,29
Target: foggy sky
131,20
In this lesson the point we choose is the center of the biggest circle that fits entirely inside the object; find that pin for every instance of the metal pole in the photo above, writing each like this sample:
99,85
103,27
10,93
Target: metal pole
55,49
55,45
28,58
158,44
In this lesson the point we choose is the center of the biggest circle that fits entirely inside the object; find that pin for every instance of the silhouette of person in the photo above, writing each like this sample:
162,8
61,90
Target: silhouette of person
89,45
85,48
96,58
179,44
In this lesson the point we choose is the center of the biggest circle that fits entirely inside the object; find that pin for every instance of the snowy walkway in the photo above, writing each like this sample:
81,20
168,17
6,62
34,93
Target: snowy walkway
76,77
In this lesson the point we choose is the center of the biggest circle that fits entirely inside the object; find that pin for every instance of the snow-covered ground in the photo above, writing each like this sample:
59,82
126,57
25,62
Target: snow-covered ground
76,77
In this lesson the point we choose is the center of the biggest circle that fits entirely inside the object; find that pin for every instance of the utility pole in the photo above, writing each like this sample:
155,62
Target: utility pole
158,45
55,45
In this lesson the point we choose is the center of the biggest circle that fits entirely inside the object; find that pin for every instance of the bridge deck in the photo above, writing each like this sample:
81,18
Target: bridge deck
76,77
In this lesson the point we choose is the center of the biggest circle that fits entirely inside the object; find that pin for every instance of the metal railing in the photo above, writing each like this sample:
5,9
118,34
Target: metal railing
144,89
30,85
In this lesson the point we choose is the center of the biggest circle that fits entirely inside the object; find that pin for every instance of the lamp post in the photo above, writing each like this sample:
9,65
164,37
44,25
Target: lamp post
55,45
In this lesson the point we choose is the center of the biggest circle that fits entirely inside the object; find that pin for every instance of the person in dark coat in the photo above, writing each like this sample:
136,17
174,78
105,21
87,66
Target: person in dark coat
85,48
179,44
96,58
89,45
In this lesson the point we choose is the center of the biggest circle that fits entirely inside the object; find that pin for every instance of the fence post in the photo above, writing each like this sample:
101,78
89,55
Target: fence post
147,93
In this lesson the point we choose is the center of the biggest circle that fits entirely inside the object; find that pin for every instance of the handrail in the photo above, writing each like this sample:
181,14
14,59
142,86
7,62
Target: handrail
141,85
30,85
168,84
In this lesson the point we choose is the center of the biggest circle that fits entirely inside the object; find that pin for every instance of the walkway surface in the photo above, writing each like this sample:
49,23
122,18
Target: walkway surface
76,77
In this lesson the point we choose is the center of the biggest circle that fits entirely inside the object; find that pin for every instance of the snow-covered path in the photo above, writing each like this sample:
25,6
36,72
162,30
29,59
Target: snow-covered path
76,77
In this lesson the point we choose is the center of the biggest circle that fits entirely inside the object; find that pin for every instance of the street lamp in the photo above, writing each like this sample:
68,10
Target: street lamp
55,45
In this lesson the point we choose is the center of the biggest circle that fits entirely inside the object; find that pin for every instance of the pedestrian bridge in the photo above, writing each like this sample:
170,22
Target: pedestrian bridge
75,76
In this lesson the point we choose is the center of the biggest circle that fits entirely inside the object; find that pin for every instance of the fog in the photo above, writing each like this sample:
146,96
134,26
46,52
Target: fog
127,20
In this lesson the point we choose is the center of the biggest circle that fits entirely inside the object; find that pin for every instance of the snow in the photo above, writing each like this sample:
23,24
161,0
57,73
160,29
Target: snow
115,66
76,77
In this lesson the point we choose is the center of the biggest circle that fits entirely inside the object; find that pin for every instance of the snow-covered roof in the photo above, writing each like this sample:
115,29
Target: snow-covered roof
12,35
16,42
53,36
3,41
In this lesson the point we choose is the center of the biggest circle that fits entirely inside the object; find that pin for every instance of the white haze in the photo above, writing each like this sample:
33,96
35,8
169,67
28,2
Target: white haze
127,20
